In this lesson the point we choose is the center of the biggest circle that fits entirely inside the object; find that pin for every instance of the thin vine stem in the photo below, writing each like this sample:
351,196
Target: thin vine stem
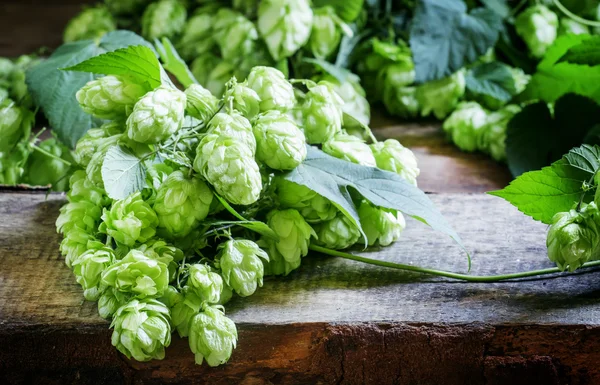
573,16
442,273
41,150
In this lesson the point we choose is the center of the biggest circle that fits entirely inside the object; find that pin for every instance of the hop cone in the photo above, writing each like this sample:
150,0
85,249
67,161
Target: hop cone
285,25
280,143
355,102
313,207
88,268
157,115
201,104
325,36
94,141
110,301
274,91
142,329
187,306
465,125
181,203
138,274
293,231
402,101
440,97
43,170
76,242
234,126
197,35
81,189
338,233
235,34
573,237
493,138
351,149
230,167
78,215
243,99
392,156
129,220
89,24
538,27
322,113
164,18
15,124
205,283
212,336
241,265
380,225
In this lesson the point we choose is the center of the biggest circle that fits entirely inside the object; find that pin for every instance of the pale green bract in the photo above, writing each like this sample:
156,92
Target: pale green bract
157,115
338,233
381,226
271,86
465,125
91,23
355,102
110,97
200,103
351,149
321,114
570,26
205,283
392,156
164,18
538,27
234,126
142,329
326,34
280,143
212,336
110,301
94,141
242,98
129,220
240,261
88,268
294,234
285,25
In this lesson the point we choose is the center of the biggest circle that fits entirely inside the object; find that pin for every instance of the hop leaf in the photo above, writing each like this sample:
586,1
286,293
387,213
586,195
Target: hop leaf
164,18
157,115
392,156
142,329
240,262
322,114
337,233
274,91
129,220
230,167
351,149
281,144
212,336
110,97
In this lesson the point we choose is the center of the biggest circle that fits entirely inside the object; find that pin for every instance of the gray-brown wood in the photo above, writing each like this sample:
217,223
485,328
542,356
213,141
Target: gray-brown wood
331,322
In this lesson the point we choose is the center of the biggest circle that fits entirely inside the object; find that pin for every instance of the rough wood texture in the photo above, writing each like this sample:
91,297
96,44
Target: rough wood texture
332,322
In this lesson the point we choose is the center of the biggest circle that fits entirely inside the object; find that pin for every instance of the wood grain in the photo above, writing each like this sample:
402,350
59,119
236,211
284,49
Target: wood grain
331,322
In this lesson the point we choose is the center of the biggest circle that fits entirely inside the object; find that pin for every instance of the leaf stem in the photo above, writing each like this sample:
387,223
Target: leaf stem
41,150
573,16
441,273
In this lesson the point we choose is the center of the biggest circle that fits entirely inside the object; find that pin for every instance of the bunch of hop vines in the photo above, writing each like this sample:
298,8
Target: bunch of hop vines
170,255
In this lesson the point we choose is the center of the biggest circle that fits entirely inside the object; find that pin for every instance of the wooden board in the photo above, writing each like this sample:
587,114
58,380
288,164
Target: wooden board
331,322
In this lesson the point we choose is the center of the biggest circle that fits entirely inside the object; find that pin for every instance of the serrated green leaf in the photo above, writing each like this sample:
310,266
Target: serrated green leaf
444,37
585,158
499,6
332,178
493,79
54,90
541,194
173,63
256,226
553,79
122,173
586,53
137,63
348,10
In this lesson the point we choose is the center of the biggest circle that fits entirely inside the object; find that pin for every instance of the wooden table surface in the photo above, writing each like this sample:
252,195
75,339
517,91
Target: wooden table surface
333,321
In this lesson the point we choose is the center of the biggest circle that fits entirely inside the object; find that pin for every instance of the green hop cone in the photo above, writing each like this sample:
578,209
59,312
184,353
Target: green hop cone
355,102
538,27
181,203
6,68
164,18
229,166
280,143
402,101
243,99
293,231
573,237
313,207
94,169
201,104
338,233
197,35
277,265
15,124
125,7
88,268
322,114
110,300
465,125
75,243
82,215
129,220
157,115
212,336
241,265
187,306
326,32
205,283
380,225
138,274
394,157
43,170
12,165
95,140
235,35
285,25
142,329
571,27
351,149
234,126
3,95
271,86
247,7
440,97
493,137
202,66
82,189
110,97
91,23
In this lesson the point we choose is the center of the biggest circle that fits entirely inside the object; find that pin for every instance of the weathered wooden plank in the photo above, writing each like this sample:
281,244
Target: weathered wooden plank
333,321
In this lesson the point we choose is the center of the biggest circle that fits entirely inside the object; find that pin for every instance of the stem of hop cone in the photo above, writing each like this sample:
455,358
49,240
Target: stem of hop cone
441,273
